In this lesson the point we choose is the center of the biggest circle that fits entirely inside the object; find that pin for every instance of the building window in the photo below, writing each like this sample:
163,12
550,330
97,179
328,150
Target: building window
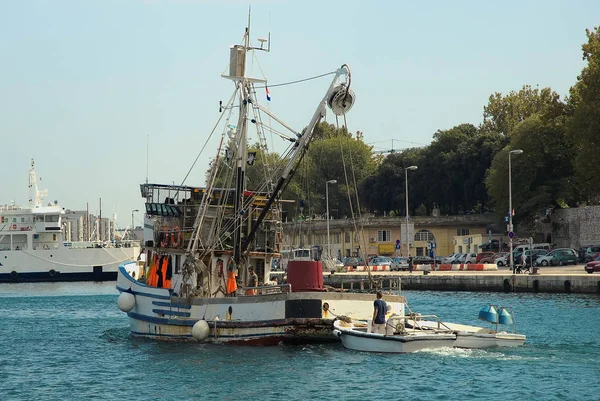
347,237
384,236
462,231
424,235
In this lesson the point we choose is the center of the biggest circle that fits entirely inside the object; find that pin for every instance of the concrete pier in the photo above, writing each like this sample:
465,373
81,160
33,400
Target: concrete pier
501,281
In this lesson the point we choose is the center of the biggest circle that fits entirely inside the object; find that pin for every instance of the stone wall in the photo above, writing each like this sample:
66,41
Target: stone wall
576,227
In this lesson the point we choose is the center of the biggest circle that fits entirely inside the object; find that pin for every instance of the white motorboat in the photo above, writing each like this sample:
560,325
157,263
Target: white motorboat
33,246
206,238
479,337
398,339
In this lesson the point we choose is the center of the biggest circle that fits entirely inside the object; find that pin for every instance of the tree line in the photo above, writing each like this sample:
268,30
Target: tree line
465,168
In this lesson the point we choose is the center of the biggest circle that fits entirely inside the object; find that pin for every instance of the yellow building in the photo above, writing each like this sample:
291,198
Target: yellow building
473,242
386,235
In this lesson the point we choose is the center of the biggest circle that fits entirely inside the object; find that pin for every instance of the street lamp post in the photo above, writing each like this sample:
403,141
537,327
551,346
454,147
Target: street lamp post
510,223
406,181
327,214
132,225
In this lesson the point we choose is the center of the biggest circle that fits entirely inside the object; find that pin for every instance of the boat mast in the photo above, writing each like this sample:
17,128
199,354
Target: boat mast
35,195
239,57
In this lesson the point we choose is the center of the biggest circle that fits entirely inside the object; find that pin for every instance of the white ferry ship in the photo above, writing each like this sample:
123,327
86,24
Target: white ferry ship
32,246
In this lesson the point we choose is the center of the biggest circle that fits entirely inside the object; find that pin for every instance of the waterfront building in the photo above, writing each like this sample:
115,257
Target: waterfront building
387,235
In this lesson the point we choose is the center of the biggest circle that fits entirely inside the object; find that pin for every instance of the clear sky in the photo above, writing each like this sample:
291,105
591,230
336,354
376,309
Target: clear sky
86,85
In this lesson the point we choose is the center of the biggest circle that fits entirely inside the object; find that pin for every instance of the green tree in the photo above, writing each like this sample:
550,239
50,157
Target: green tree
503,113
450,173
584,127
257,174
541,176
334,154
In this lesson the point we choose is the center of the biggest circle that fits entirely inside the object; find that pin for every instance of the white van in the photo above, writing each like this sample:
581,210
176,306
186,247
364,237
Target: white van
521,248
525,247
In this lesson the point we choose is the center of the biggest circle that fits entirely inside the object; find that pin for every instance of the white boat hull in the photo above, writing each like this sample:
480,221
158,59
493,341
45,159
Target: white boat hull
483,341
479,337
397,343
64,264
258,319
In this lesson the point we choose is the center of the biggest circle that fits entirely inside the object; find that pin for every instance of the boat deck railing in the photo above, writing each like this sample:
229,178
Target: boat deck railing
267,290
102,244
414,320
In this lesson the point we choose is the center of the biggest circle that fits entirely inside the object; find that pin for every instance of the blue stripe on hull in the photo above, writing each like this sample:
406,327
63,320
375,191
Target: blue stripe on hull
170,312
211,337
144,294
177,305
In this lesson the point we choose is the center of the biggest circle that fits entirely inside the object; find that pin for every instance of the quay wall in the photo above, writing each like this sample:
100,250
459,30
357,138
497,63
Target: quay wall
438,281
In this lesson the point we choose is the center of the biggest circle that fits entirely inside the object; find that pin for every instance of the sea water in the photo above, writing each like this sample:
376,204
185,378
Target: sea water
70,342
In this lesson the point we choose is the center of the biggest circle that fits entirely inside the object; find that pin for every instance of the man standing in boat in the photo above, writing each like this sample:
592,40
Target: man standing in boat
252,281
379,309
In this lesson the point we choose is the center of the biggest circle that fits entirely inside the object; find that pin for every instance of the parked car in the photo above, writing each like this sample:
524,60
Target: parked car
422,260
528,258
482,255
588,253
491,258
494,246
593,265
459,259
501,258
560,256
399,263
448,259
471,257
465,258
381,261
353,261
371,256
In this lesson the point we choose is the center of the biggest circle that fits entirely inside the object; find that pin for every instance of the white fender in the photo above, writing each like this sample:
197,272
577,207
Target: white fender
200,330
126,301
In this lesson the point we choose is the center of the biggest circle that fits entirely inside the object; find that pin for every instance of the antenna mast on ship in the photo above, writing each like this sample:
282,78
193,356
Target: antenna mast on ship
35,195
237,73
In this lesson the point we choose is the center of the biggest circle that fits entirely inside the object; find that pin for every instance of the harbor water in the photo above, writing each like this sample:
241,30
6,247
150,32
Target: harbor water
69,341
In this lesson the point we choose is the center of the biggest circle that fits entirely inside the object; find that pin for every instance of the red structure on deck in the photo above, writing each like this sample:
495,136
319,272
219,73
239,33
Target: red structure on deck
304,275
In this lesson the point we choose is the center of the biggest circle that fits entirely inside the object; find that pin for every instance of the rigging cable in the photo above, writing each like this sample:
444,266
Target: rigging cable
207,139
299,80
361,235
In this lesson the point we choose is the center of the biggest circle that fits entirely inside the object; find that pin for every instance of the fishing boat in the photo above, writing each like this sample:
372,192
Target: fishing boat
356,335
206,238
33,246
504,333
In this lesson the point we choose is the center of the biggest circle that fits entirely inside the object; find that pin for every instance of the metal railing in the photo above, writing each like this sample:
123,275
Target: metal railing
267,289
